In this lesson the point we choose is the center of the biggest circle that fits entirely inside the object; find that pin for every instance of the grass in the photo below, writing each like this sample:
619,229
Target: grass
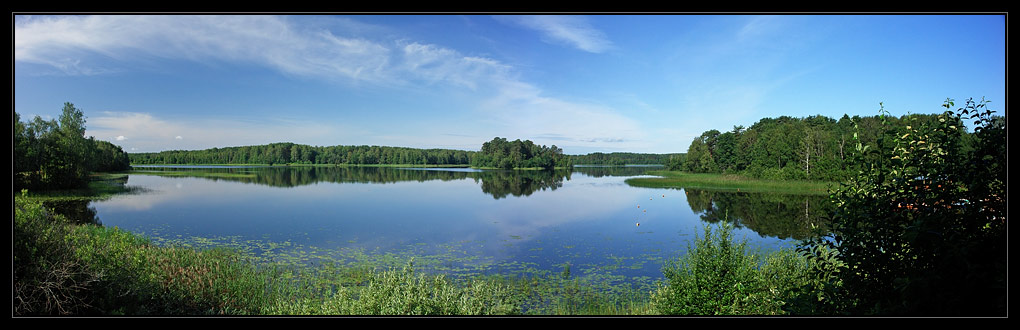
729,182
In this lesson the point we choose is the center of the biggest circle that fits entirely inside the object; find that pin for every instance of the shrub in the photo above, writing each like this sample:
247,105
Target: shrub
718,276
48,279
920,229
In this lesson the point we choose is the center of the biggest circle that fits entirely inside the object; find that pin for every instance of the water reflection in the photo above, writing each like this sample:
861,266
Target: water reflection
782,216
498,183
521,217
77,211
601,171
777,215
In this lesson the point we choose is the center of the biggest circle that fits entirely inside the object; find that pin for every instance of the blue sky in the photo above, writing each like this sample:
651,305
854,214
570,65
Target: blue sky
644,83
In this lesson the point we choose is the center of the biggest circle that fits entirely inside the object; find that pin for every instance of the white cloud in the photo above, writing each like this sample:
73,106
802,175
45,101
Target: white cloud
150,133
502,100
433,63
574,31
120,138
70,43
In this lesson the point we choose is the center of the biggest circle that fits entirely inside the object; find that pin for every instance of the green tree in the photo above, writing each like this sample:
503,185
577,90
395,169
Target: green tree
920,228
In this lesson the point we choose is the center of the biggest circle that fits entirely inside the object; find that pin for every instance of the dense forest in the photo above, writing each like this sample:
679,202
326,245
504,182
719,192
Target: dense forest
55,154
788,148
500,153
290,153
621,158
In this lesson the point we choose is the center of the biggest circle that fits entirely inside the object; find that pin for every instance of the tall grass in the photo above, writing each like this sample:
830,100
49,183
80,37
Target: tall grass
63,268
732,182
403,292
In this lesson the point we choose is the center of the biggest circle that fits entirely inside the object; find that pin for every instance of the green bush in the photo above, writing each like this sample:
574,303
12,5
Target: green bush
719,276
48,279
920,229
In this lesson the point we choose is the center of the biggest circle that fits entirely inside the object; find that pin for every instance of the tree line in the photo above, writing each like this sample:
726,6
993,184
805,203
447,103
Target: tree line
498,153
55,154
621,158
788,148
291,153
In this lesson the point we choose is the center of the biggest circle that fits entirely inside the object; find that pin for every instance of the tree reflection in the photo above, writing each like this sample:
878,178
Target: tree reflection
777,215
498,183
601,171
77,211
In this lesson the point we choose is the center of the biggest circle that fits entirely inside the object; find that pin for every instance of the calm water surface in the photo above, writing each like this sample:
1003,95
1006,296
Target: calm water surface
495,221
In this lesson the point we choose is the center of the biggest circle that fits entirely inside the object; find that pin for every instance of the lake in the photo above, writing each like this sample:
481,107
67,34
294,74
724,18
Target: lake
453,220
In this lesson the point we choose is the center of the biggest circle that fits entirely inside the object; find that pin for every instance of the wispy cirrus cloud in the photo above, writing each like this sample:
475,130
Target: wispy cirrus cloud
574,31
86,44
503,101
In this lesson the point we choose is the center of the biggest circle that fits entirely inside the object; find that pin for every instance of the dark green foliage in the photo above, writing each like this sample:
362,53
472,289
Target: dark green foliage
290,153
621,158
676,162
48,279
920,228
701,155
503,154
55,154
497,155
786,148
63,268
720,276
110,158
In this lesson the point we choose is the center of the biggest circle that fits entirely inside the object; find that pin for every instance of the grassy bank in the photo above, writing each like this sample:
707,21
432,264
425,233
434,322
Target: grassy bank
729,182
